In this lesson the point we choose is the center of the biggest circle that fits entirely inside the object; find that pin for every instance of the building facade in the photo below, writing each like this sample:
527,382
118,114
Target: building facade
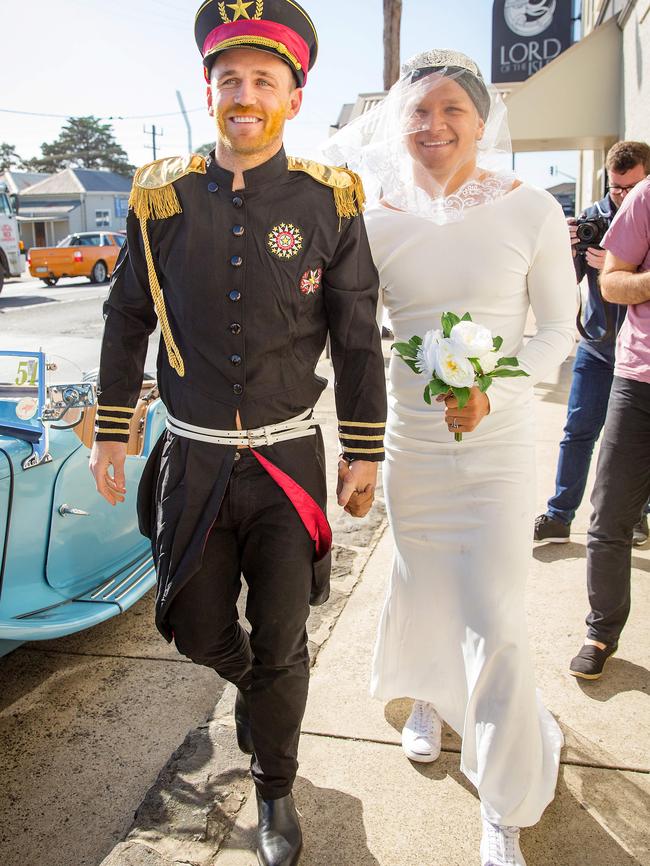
592,95
70,201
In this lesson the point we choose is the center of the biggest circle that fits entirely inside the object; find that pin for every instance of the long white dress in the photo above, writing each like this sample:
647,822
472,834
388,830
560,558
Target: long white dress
453,628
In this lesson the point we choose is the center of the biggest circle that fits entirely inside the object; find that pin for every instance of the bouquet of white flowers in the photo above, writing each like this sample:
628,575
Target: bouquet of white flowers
456,357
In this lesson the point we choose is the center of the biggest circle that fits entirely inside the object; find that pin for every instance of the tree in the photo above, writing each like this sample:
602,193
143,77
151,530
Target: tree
84,142
8,157
205,149
392,25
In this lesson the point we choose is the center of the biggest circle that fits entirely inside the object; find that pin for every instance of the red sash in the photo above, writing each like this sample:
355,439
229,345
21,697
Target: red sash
308,509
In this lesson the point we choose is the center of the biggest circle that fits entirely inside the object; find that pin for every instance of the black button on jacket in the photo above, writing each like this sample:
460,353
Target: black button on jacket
300,272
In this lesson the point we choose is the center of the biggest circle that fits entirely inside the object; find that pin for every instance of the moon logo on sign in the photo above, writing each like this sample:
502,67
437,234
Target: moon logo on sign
529,17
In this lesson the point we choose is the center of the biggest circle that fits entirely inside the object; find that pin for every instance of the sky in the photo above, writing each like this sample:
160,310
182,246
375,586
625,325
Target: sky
128,58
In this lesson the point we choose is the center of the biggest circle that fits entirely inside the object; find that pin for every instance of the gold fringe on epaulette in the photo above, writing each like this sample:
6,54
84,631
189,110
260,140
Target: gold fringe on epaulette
350,201
154,204
175,359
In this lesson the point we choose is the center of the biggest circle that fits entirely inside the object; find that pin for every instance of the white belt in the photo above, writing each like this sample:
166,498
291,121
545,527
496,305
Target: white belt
294,428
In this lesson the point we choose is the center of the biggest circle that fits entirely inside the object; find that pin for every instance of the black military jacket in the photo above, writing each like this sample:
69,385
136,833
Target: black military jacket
250,284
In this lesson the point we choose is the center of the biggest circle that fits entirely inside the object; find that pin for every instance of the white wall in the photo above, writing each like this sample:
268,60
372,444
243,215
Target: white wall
636,73
99,201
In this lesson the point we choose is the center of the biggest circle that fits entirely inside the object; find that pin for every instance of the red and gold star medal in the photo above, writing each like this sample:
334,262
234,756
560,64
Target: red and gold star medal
285,241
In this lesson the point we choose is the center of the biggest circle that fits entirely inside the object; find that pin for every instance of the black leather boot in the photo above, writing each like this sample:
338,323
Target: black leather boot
243,724
279,837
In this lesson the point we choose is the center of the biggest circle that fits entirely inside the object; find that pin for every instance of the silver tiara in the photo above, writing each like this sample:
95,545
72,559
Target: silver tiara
440,57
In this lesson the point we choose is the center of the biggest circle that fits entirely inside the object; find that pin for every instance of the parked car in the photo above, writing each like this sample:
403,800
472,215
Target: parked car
68,560
85,254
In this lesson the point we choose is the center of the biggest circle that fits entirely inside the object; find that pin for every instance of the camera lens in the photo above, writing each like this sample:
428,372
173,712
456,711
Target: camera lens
586,232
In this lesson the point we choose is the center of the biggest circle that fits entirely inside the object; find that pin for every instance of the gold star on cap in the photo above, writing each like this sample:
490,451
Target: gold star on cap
240,9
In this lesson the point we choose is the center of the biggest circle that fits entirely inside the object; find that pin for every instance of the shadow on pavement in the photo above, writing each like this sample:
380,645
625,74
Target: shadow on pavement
36,300
332,822
598,818
620,676
572,550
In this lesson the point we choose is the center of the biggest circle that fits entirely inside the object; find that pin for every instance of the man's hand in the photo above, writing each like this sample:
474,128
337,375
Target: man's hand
572,222
596,257
467,419
104,455
356,486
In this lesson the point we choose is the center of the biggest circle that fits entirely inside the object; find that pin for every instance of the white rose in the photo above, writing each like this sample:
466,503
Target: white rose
453,367
489,361
472,340
428,353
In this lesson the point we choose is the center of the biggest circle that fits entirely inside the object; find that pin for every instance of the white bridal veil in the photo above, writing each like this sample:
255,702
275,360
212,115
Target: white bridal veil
382,145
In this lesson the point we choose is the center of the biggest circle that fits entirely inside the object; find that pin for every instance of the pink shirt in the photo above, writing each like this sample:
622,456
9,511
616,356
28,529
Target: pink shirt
629,239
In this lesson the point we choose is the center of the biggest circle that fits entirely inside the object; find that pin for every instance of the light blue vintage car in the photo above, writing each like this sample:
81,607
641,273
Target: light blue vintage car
68,560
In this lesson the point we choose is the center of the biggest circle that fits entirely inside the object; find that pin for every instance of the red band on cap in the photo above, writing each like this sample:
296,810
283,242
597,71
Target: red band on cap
292,41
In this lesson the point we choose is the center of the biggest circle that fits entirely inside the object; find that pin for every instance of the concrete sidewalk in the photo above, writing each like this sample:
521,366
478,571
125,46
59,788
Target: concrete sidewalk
362,802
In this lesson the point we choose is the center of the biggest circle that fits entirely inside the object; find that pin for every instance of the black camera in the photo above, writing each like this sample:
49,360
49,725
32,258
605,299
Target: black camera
590,232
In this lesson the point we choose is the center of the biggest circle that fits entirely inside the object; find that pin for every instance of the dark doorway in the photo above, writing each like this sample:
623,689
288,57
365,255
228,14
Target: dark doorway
40,239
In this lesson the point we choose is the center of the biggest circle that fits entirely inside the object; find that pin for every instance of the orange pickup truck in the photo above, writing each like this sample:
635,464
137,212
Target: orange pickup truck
86,254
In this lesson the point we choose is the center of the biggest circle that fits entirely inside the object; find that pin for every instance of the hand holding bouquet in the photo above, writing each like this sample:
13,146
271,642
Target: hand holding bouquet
457,357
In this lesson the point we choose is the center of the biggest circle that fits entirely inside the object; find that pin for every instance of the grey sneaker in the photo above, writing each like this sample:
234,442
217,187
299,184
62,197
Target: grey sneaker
640,533
548,528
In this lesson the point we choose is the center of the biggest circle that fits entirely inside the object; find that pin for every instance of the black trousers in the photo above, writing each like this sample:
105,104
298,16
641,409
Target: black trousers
622,487
258,534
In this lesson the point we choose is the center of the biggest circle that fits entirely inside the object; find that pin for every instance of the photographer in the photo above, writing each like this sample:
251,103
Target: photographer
623,474
628,163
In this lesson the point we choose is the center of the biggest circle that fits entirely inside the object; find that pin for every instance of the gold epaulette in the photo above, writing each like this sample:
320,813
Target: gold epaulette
153,195
346,185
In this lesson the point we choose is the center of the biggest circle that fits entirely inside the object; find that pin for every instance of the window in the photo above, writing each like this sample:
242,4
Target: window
89,240
120,240
102,218
5,206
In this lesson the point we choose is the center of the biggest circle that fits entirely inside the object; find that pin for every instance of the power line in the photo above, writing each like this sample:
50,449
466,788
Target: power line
106,117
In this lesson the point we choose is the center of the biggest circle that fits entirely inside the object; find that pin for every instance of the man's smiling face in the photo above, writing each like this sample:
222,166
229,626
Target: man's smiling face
252,94
445,128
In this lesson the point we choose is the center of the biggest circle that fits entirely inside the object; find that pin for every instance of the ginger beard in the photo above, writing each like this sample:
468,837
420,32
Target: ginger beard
250,138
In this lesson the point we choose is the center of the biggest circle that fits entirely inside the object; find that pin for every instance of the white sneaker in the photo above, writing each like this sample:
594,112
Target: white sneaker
500,846
422,733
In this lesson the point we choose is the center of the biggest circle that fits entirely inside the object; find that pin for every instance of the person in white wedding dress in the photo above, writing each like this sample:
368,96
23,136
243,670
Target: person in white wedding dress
455,231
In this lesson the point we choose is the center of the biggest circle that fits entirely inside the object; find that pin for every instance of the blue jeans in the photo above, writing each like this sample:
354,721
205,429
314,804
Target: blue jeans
586,412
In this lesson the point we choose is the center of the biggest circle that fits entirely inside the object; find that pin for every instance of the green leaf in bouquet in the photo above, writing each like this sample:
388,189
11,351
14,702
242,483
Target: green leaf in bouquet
497,342
417,341
507,362
504,372
412,364
483,382
448,320
466,318
437,386
427,395
462,395
476,364
405,350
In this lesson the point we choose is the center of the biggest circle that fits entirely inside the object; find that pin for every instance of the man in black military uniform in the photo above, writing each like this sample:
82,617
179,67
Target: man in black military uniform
248,259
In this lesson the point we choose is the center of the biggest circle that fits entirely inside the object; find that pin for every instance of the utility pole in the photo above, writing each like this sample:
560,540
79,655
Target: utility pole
190,149
153,132
392,26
